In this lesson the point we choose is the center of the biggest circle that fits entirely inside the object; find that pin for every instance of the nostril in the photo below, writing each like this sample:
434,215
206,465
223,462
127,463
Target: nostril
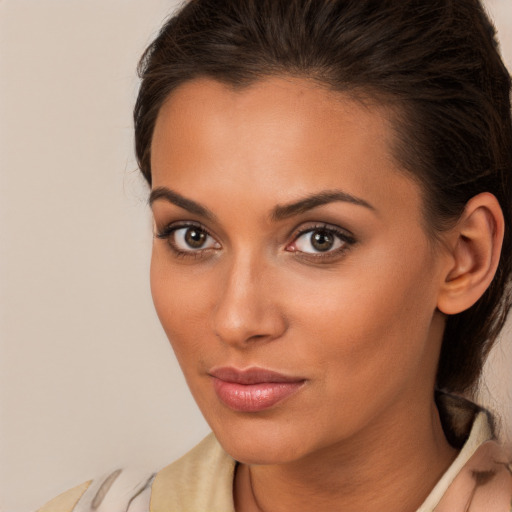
257,337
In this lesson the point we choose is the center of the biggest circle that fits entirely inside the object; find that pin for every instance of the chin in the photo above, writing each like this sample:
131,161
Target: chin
262,442
259,453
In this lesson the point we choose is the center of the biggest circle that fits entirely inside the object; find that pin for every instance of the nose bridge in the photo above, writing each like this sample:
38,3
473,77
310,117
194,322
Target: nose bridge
245,310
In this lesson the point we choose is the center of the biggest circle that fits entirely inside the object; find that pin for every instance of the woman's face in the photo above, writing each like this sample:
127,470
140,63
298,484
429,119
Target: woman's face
290,269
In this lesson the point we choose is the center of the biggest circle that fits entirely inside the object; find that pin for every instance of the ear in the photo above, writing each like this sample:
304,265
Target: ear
475,248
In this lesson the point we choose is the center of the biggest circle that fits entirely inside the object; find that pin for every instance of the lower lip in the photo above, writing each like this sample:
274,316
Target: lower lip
254,397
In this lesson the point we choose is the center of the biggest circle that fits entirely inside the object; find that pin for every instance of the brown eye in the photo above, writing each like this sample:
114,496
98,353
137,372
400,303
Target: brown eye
322,240
195,237
190,239
318,240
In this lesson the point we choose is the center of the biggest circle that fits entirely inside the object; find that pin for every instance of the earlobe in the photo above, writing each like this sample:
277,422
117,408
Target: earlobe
475,252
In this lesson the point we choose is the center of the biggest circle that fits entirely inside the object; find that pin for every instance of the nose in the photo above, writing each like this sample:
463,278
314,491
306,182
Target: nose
247,309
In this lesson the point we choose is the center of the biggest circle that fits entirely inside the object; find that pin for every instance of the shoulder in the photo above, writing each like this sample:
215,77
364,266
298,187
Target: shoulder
200,480
116,490
480,478
484,482
66,501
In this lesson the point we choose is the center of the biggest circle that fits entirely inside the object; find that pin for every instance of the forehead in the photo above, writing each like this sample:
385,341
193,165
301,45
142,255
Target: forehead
279,138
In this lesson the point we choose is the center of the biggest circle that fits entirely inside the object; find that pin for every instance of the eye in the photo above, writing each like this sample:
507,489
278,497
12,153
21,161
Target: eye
188,239
321,239
193,238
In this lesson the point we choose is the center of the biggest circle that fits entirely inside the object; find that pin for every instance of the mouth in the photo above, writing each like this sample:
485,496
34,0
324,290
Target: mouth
254,389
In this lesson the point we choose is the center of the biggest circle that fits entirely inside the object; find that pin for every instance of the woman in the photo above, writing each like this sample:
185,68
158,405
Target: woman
330,185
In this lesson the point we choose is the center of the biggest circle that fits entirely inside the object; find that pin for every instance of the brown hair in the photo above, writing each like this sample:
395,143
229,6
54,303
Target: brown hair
434,61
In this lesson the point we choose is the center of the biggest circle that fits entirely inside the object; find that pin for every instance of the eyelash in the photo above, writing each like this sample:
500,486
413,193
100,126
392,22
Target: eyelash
347,240
167,234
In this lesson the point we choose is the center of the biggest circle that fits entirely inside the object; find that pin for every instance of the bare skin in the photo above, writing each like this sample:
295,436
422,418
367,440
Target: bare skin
357,321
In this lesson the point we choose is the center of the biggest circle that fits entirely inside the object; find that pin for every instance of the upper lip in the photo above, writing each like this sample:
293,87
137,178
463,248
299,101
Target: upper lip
251,375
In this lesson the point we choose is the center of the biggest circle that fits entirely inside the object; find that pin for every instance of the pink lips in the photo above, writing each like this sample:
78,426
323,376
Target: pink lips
253,389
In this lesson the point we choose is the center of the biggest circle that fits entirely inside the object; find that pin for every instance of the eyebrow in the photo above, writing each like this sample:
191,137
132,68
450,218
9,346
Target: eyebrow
177,199
280,212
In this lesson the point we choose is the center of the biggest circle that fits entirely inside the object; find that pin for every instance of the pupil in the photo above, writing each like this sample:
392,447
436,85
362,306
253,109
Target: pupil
195,238
322,240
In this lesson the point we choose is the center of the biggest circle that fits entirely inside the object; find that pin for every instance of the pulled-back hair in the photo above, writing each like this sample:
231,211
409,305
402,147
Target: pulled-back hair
435,62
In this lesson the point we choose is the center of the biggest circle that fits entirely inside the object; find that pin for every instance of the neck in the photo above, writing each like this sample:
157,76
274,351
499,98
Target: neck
391,465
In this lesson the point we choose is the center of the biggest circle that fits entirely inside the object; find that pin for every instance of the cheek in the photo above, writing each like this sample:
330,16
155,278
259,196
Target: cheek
374,316
179,298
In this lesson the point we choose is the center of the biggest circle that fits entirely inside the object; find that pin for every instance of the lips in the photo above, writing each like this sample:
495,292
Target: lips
254,389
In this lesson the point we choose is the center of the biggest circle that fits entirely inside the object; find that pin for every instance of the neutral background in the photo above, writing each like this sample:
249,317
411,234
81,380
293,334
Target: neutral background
88,381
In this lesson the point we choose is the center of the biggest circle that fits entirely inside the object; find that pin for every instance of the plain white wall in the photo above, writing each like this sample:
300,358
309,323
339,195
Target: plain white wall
88,381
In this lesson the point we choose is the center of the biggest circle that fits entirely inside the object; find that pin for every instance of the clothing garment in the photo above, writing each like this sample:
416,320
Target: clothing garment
479,479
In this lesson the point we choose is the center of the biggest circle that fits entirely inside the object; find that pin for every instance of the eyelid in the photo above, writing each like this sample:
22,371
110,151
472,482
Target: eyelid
343,233
345,236
169,228
167,232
